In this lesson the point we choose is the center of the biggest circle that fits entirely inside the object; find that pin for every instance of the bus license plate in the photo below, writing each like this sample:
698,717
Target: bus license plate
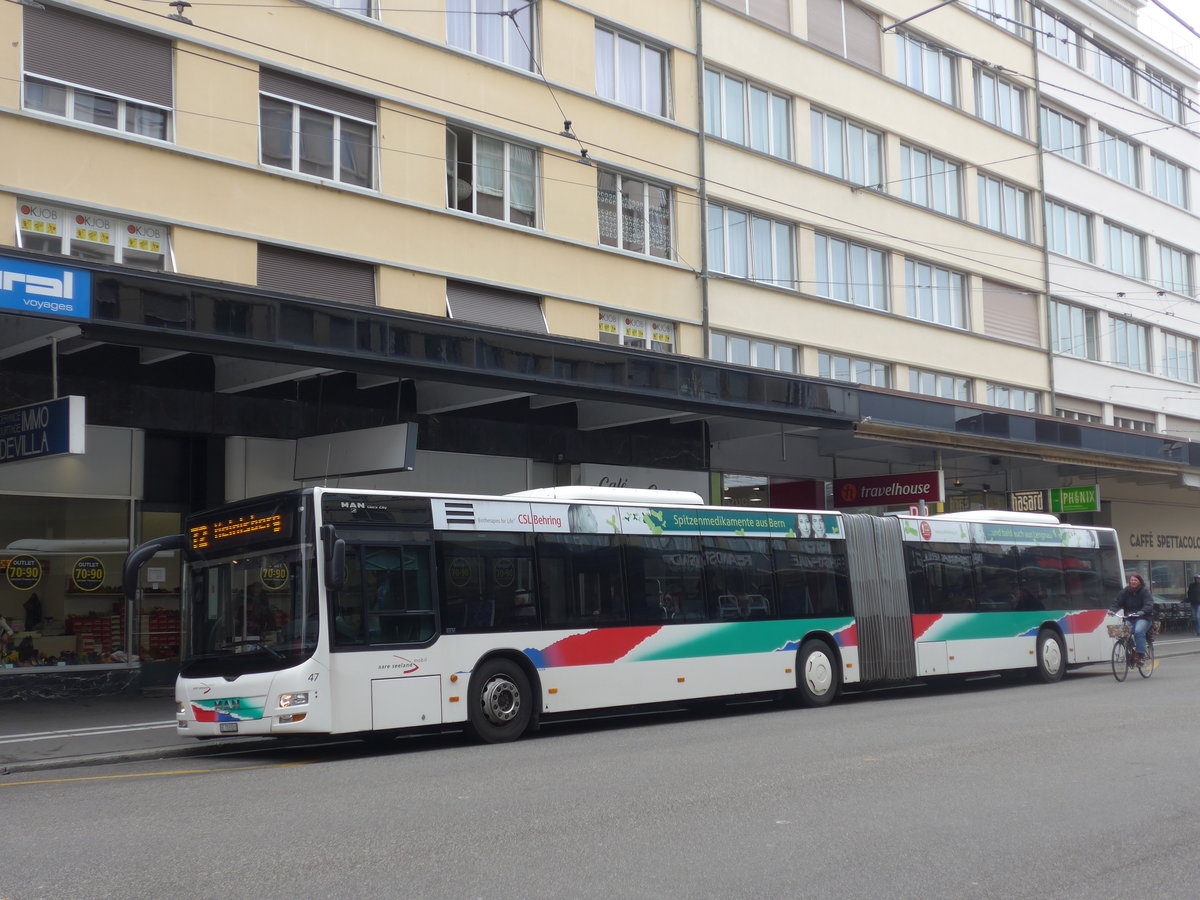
229,727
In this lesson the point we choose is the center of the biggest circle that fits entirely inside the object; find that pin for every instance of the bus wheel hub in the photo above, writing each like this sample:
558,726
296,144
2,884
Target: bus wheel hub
501,700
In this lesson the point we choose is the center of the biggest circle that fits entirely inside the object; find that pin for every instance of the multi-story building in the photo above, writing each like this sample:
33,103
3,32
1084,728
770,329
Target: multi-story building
1118,117
741,247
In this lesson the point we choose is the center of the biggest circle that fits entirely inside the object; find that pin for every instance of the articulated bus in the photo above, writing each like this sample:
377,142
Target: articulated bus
336,611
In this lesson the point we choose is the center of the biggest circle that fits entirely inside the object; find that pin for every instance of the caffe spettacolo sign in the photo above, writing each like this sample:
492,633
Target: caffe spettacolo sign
52,428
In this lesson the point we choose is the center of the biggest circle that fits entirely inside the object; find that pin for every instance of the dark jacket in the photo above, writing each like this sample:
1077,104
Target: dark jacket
1194,593
1134,603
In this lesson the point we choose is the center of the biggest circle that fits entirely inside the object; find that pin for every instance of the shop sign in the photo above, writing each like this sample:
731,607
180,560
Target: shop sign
273,575
23,572
1085,498
43,429
87,574
44,289
1027,501
888,490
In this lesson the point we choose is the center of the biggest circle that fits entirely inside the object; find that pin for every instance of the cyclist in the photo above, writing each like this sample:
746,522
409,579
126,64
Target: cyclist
1137,605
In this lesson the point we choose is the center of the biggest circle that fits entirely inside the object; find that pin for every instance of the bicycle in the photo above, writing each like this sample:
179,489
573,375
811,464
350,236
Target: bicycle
1124,649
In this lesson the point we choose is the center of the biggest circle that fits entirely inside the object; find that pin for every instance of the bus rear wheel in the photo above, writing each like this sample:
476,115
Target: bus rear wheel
1051,656
818,679
501,701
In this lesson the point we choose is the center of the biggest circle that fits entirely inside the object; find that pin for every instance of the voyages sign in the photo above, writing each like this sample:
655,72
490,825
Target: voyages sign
44,289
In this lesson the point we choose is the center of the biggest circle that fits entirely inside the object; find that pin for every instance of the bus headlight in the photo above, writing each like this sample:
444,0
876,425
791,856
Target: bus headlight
300,698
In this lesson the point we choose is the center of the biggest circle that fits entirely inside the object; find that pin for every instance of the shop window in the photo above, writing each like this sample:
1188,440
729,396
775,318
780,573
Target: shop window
93,236
635,331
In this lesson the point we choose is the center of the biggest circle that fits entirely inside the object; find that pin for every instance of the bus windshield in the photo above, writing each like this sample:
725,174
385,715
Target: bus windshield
253,613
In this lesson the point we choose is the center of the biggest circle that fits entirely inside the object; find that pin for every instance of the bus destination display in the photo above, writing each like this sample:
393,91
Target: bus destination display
246,529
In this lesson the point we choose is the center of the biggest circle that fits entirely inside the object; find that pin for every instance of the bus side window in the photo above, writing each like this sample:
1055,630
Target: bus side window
580,580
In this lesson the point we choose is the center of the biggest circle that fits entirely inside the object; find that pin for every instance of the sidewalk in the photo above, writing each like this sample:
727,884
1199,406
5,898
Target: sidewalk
45,734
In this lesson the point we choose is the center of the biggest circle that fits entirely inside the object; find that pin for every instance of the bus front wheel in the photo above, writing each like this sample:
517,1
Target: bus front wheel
1051,656
817,676
501,701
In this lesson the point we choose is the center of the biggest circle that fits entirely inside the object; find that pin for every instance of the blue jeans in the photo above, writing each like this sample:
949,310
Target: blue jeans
1140,626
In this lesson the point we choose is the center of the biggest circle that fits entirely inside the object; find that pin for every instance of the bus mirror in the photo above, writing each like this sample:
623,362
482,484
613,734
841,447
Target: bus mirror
335,560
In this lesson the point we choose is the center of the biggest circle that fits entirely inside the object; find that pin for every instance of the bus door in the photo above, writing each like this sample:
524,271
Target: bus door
879,588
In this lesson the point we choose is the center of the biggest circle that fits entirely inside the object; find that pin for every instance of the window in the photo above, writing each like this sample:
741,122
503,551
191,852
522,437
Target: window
1068,231
939,384
634,331
498,29
1000,102
630,71
316,129
1119,158
935,294
1073,330
1008,14
926,67
1011,313
846,29
1003,207
747,114
479,590
930,180
1175,269
87,70
1115,71
1056,37
92,236
1179,360
1129,344
634,214
580,580
1126,251
362,7
1013,398
856,371
1169,181
387,597
1076,416
487,305
1134,424
745,351
1063,135
851,272
490,177
845,149
773,12
316,275
1163,95
749,246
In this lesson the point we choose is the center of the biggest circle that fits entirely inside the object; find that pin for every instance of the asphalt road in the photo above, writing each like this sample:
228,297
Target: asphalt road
1085,789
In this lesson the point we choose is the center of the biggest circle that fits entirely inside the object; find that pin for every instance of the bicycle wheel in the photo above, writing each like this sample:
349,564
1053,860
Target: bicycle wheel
1120,661
1146,666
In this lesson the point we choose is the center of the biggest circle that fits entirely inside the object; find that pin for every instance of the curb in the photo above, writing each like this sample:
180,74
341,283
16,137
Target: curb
117,756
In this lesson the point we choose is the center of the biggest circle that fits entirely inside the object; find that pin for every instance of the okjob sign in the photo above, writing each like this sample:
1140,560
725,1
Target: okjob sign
45,429
45,289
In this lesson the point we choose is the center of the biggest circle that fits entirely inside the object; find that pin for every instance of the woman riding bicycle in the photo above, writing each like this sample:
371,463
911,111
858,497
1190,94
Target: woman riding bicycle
1136,604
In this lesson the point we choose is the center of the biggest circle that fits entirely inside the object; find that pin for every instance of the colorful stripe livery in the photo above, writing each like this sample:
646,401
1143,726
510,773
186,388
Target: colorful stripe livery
229,709
978,626
659,642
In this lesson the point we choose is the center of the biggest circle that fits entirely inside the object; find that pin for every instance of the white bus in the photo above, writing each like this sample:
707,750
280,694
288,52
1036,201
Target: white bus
337,611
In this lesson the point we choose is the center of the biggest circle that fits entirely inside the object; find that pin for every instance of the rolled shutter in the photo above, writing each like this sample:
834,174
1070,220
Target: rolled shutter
863,38
95,54
314,275
1010,313
313,93
493,306
825,25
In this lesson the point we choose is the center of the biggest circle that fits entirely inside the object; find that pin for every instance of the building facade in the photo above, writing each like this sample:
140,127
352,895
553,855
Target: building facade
745,248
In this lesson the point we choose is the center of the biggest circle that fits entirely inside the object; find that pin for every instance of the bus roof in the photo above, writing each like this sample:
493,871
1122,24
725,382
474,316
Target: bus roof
582,493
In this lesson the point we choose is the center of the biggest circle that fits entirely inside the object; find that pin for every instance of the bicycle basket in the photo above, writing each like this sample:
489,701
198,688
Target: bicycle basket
1119,632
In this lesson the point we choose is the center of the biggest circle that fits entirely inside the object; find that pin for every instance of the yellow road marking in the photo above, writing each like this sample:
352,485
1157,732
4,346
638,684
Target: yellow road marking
151,774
